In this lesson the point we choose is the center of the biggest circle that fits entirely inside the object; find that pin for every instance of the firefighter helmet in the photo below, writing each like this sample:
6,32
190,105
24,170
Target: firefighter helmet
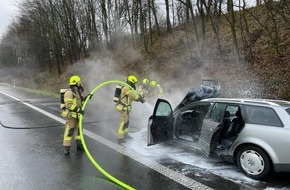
153,83
133,79
74,80
145,81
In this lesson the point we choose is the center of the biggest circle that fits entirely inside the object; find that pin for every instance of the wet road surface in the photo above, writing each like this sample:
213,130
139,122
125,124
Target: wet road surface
32,153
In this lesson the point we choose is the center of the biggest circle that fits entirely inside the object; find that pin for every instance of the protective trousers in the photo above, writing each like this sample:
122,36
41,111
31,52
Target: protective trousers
71,128
123,125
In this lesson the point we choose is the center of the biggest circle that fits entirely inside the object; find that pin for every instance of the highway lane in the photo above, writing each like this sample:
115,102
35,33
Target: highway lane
36,160
32,156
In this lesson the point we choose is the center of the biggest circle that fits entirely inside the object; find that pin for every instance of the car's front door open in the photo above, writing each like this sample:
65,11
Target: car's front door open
160,124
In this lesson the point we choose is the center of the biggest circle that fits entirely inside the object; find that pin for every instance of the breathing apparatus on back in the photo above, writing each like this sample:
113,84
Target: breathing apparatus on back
131,80
117,94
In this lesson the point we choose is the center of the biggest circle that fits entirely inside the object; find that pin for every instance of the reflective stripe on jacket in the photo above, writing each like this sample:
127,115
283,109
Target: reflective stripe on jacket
72,100
127,96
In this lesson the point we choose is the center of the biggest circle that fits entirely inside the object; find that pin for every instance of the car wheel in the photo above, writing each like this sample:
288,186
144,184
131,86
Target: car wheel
254,162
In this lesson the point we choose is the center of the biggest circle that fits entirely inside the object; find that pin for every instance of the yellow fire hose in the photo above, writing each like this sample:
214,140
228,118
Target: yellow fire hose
83,140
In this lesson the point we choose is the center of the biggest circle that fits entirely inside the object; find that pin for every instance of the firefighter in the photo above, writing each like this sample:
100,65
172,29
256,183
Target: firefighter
124,106
73,100
143,89
155,91
160,90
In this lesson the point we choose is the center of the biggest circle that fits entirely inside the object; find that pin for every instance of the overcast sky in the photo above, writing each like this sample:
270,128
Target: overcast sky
8,12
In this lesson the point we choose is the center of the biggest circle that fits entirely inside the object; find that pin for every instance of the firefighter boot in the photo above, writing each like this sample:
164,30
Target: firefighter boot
79,145
120,141
66,150
127,136
121,137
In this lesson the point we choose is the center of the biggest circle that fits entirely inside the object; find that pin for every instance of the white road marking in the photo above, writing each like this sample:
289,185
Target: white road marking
173,175
36,108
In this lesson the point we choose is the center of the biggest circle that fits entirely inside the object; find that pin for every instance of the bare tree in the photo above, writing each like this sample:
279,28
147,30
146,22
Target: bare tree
130,17
180,11
149,20
189,7
143,23
105,20
213,10
92,28
168,23
232,21
154,12
245,33
200,7
273,16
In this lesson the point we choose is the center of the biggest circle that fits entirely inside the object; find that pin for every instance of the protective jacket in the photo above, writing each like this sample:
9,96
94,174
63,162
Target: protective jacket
73,102
126,98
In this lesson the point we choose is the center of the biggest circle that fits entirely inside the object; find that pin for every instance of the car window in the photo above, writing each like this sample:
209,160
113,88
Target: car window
232,109
197,110
163,109
217,112
199,107
262,116
190,119
288,110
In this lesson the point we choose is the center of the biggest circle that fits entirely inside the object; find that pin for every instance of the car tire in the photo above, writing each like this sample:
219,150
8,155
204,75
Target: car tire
254,162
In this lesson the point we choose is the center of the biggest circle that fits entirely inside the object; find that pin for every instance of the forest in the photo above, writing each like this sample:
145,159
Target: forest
241,43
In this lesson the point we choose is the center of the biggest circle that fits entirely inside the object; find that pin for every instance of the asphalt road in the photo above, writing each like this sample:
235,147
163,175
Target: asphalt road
32,153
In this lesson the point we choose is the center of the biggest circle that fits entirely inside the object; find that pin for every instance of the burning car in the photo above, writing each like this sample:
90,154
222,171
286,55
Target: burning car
252,133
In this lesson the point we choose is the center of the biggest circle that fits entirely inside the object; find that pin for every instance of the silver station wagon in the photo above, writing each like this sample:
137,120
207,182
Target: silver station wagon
252,133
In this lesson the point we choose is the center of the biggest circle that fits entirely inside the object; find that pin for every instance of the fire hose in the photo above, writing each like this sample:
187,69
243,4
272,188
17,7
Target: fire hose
93,161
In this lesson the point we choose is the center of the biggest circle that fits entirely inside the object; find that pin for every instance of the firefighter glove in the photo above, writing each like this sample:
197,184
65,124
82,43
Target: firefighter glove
79,110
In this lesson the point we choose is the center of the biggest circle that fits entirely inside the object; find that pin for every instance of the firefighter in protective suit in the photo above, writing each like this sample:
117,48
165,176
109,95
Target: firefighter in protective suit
73,100
143,89
155,91
124,107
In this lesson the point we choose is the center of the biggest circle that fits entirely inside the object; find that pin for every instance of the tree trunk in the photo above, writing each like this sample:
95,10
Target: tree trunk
105,21
233,29
149,20
168,23
155,17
